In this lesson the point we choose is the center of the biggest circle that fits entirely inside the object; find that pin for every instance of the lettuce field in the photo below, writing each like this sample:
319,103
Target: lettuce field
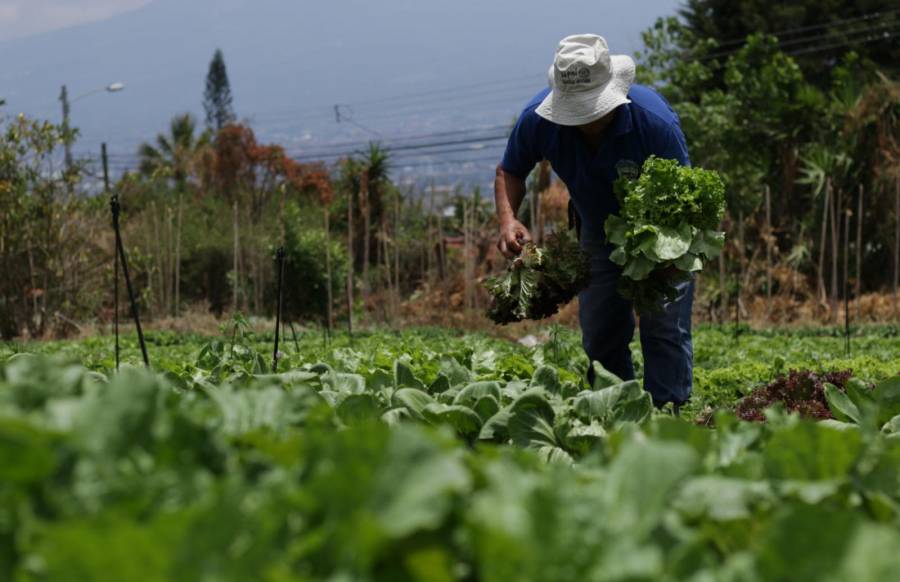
437,455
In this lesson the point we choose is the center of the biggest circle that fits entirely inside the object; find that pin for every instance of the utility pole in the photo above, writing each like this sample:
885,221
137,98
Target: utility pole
105,159
67,143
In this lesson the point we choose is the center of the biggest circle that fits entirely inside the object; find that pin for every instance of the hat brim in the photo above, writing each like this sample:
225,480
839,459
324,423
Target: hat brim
587,106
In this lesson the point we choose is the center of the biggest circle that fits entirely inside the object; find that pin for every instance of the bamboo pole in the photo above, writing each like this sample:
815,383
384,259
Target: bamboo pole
723,293
847,214
329,316
896,248
350,265
388,278
822,239
441,254
835,247
532,213
742,255
365,210
859,253
160,266
179,229
397,254
429,257
170,257
768,229
467,250
236,252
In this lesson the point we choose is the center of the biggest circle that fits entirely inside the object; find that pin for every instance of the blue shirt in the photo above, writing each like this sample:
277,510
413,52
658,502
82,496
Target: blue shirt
646,126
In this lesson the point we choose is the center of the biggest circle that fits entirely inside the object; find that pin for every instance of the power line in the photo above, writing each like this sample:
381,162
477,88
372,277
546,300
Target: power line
392,141
827,36
315,157
811,50
414,98
516,97
790,31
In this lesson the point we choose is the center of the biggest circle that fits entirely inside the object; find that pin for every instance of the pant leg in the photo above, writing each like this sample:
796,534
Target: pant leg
668,350
607,319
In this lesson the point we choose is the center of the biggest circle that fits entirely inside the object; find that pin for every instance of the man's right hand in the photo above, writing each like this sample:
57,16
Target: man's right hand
513,235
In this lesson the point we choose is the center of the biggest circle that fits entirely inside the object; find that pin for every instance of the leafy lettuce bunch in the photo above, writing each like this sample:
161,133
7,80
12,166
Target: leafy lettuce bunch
539,280
666,229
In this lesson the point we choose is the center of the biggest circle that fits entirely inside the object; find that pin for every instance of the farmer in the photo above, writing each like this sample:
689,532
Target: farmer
594,125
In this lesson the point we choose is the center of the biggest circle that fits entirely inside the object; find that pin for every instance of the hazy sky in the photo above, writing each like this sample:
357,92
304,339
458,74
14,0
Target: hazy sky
20,18
395,67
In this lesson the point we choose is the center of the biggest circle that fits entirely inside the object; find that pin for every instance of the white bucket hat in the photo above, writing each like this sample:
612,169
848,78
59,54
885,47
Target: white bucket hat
586,81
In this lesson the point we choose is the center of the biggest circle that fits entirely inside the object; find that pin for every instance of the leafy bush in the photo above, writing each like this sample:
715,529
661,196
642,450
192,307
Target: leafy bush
305,277
665,229
540,280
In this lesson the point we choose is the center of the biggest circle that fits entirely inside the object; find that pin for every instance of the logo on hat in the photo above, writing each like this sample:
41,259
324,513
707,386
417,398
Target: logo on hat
579,76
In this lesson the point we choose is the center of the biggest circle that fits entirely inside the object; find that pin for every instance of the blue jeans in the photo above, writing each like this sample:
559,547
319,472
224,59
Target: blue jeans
607,326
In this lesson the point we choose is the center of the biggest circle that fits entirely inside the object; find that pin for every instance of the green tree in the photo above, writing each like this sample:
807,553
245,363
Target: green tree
173,156
48,236
217,99
816,32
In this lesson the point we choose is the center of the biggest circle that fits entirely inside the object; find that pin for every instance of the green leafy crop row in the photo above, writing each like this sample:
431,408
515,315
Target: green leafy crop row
225,472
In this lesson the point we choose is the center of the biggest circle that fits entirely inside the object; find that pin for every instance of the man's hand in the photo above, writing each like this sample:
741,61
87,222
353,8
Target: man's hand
513,235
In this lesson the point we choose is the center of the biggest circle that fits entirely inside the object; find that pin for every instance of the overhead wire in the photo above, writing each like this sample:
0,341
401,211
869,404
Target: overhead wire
846,34
811,27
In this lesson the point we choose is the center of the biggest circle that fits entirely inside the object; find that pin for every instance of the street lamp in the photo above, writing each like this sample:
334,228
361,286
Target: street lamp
64,97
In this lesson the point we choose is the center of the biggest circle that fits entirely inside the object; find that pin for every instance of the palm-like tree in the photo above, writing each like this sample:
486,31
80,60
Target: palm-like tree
174,157
174,154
